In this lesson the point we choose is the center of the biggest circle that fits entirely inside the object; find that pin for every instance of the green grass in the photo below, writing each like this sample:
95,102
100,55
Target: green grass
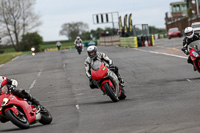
8,56
9,53
67,45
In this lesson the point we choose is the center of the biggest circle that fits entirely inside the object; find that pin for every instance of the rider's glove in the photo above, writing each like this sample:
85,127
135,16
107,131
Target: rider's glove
90,79
12,88
14,83
184,49
111,66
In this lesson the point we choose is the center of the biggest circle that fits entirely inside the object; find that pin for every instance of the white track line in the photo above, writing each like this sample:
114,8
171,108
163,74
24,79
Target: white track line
34,81
154,52
77,107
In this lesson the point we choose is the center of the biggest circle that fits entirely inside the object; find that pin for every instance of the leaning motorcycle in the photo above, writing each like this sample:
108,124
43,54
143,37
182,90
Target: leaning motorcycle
107,81
33,51
194,51
20,112
79,48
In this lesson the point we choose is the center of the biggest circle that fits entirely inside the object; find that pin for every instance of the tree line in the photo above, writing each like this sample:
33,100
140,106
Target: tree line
74,29
17,19
18,23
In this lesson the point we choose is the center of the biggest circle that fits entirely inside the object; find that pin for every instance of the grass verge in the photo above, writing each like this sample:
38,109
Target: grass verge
8,56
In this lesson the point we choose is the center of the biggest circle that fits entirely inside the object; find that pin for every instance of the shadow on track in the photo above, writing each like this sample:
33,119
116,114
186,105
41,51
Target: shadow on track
105,102
18,129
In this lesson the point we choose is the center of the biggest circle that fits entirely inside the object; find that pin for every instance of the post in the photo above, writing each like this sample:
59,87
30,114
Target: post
197,7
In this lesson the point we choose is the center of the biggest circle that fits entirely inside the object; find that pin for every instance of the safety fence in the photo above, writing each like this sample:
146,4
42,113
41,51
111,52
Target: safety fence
132,42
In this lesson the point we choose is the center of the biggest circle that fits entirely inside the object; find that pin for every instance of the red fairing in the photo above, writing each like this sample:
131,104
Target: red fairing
30,114
100,73
13,109
194,59
29,110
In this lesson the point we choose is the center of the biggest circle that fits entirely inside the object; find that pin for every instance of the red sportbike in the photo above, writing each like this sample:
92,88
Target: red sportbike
107,81
79,48
21,112
194,51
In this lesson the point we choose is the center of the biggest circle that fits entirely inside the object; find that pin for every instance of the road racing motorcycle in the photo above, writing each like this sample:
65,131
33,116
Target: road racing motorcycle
20,112
194,51
106,80
79,47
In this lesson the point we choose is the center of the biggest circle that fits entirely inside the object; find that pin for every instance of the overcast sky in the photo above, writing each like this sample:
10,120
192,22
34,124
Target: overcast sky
54,13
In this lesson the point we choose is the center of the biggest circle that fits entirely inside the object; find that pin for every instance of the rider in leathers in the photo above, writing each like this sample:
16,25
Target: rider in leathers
93,55
78,41
12,84
190,37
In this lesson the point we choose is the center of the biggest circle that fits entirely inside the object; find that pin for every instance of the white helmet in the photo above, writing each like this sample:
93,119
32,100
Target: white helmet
92,52
78,37
189,32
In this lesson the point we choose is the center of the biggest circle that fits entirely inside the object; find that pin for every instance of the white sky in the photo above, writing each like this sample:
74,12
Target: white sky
54,13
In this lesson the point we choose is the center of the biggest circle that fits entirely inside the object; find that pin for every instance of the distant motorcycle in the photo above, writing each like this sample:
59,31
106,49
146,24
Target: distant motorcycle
79,48
20,112
194,51
33,51
107,81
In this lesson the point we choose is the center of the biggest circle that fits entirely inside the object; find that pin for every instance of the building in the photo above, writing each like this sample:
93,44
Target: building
183,14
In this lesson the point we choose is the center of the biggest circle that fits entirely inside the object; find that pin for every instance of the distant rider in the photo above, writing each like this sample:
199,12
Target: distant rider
78,41
58,44
190,37
93,55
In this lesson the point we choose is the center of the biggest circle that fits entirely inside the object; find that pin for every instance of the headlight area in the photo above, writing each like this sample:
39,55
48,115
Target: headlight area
5,101
195,54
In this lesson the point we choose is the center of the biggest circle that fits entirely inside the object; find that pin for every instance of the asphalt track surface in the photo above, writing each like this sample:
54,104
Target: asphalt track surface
163,93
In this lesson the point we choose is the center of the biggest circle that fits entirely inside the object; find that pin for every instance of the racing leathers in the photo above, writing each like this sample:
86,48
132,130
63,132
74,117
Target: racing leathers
12,84
78,41
101,57
186,43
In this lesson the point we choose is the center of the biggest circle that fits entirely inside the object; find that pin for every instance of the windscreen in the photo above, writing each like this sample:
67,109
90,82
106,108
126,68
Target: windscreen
173,30
96,65
195,45
196,26
4,89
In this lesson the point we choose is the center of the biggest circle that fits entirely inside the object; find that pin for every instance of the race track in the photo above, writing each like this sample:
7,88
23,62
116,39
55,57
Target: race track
163,93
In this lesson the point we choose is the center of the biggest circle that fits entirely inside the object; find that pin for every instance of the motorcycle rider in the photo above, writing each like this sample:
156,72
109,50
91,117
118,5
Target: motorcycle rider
93,55
78,41
19,93
12,84
190,37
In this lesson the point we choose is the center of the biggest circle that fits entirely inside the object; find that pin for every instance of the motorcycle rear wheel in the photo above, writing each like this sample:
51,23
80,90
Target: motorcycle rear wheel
20,121
46,117
123,95
110,93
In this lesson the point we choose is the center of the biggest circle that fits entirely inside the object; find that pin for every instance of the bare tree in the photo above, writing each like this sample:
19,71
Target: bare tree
16,19
71,30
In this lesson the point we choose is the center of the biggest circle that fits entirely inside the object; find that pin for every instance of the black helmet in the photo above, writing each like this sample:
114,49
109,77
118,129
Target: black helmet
92,52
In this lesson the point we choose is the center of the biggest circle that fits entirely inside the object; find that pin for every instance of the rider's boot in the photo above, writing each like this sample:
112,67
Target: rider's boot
30,98
121,80
194,68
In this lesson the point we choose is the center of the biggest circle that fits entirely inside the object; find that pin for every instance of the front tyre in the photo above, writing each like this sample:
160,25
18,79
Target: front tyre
110,92
18,120
46,117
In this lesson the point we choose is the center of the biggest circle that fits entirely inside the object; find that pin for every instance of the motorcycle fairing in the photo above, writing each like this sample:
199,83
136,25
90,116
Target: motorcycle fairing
29,112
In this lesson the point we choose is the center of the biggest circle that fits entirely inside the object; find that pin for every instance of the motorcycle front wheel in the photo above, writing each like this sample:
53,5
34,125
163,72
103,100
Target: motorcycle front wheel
110,92
18,120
